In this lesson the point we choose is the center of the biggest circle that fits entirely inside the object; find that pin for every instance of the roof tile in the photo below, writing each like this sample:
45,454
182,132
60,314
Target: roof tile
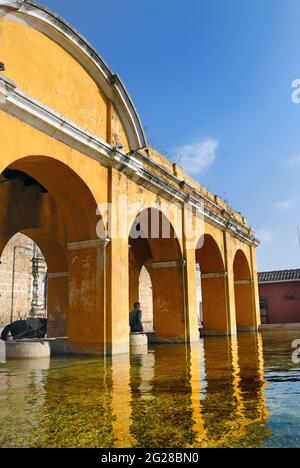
281,275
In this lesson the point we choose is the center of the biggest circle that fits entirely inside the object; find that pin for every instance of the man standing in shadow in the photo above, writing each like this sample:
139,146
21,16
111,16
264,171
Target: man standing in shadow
135,319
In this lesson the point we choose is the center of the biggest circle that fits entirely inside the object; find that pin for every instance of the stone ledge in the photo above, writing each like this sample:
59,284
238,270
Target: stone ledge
138,339
27,349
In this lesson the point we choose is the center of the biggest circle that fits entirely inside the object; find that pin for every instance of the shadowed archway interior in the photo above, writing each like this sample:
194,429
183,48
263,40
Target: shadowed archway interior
44,199
157,248
213,287
243,288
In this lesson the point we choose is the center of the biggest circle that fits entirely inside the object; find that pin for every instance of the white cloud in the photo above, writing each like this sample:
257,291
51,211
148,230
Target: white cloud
264,235
295,161
286,205
195,158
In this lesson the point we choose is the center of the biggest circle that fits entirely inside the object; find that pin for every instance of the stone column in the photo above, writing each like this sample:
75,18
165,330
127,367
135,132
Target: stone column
117,323
256,303
87,324
191,297
229,287
58,304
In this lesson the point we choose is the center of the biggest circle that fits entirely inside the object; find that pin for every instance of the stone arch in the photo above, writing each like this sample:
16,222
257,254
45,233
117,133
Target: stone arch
52,188
46,200
244,297
213,287
150,246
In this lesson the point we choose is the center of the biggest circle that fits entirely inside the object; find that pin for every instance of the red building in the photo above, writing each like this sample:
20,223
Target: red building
279,293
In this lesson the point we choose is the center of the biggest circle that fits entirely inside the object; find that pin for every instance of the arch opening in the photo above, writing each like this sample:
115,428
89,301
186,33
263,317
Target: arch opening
212,294
243,289
146,299
49,195
49,202
154,248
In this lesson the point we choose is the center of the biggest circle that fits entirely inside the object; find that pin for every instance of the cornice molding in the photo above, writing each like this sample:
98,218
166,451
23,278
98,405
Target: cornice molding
88,244
27,109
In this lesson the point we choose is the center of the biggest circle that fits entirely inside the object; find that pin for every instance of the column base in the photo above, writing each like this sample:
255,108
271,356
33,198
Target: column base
138,343
138,339
27,349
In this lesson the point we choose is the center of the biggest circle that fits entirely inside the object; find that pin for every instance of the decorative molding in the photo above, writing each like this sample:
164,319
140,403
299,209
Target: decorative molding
89,244
27,109
163,265
244,282
58,29
223,274
240,226
58,275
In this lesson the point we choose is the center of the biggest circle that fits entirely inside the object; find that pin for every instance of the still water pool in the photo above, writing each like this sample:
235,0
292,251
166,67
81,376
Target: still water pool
221,392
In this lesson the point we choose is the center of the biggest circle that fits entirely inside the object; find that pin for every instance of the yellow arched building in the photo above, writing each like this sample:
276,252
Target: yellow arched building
78,177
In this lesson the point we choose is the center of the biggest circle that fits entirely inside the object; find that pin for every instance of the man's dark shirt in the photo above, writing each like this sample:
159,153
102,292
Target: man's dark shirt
135,321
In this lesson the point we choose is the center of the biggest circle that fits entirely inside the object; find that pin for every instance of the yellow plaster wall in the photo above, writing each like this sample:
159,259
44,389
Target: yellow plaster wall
19,140
45,71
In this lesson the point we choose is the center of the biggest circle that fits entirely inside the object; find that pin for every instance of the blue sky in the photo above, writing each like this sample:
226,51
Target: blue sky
211,80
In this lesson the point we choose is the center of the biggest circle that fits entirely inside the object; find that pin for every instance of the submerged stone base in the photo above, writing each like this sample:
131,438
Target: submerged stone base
138,343
27,349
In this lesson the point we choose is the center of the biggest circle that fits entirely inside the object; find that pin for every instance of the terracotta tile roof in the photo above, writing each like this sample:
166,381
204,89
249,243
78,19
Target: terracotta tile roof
276,276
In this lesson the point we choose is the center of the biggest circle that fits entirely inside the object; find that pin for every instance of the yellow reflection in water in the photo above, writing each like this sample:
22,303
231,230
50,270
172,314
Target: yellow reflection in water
196,366
210,394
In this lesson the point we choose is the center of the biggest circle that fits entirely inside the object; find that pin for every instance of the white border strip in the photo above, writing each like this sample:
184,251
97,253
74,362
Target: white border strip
222,274
244,282
89,244
162,265
58,275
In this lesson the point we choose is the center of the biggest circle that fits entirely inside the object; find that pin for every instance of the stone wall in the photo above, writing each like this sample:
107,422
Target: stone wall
22,280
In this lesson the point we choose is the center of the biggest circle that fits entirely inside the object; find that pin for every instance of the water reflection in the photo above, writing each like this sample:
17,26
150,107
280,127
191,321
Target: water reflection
161,398
22,396
211,394
283,390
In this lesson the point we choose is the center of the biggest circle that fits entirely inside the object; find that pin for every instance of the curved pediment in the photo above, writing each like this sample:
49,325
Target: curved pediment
54,61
